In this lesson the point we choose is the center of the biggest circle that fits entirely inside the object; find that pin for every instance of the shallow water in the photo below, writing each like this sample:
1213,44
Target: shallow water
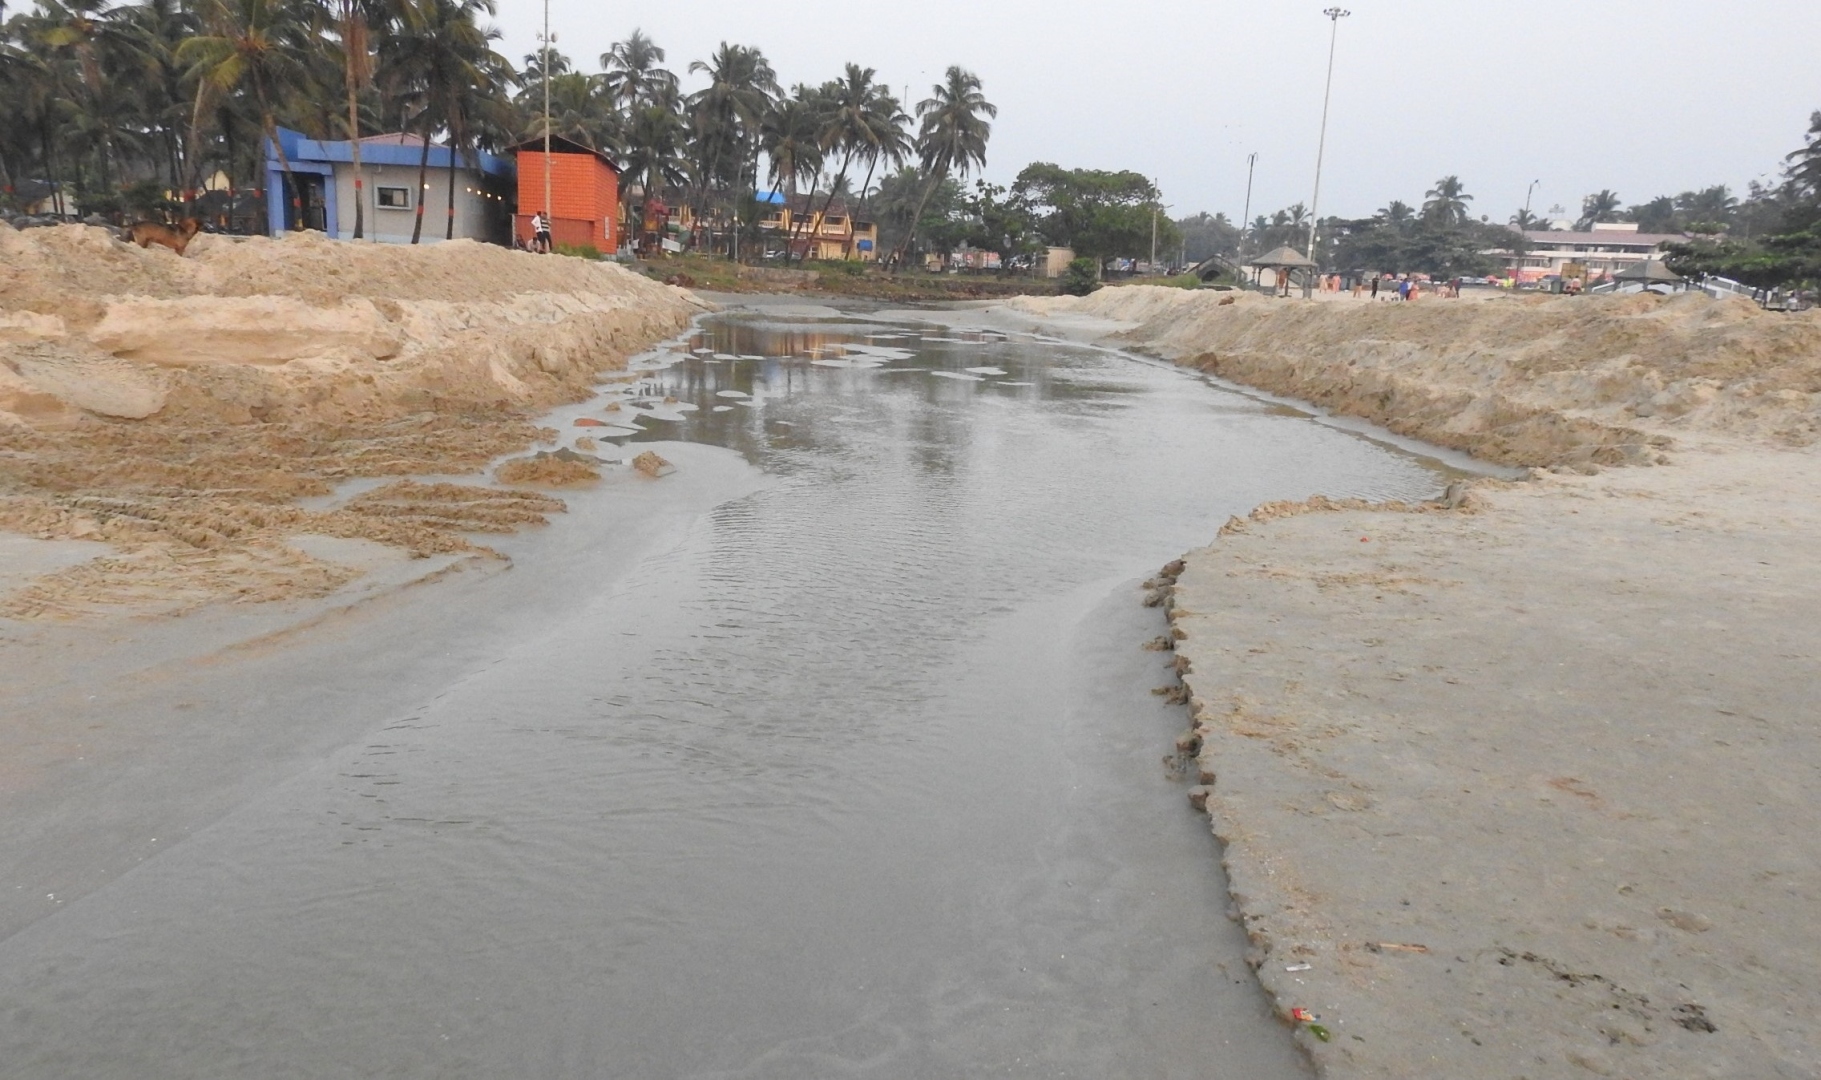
852,771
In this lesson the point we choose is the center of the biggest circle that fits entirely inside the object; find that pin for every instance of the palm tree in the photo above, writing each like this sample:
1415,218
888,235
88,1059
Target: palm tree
726,115
1804,166
791,137
863,120
1397,213
632,75
444,60
1447,202
1711,209
1598,206
253,43
654,147
953,136
354,20
96,38
1526,221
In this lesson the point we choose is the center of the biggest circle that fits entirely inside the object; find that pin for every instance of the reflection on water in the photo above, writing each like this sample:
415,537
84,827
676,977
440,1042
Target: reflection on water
858,777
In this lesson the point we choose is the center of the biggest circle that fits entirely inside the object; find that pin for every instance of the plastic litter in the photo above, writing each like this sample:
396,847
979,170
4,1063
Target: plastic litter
1299,967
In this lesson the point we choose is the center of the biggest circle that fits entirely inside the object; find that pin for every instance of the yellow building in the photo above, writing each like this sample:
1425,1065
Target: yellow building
802,224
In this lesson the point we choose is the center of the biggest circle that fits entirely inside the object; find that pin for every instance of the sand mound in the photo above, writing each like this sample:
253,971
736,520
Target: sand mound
1521,380
176,406
564,468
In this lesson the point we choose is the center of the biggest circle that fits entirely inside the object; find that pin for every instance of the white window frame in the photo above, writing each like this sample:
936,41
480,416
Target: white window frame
378,205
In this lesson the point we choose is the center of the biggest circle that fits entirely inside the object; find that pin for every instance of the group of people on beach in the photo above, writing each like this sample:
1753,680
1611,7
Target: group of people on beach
540,235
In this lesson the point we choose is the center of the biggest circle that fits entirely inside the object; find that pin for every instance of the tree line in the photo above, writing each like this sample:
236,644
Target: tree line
1770,238
119,107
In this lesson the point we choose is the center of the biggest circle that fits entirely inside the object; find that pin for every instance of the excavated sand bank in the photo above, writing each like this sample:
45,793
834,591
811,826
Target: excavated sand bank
177,408
1515,380
1527,787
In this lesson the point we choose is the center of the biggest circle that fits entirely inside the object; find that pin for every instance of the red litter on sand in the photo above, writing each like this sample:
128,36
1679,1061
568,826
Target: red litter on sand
1365,539
589,421
1301,1016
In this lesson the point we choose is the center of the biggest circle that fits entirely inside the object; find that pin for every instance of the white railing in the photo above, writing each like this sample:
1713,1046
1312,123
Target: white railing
1719,287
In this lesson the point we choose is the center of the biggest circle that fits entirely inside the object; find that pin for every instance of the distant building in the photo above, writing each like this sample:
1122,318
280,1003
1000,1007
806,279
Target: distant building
323,198
1608,248
584,193
1055,262
814,231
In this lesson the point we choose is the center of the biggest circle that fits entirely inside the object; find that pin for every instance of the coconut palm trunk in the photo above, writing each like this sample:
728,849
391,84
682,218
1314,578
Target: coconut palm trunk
423,169
354,49
910,234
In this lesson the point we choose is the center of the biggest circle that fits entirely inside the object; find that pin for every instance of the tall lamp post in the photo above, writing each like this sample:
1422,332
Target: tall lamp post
1527,193
1245,219
549,222
1335,15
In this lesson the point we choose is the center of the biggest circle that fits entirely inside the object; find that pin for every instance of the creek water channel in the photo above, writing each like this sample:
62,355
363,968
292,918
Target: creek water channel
833,754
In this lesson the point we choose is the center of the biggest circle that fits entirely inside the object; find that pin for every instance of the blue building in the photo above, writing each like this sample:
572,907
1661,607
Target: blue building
324,196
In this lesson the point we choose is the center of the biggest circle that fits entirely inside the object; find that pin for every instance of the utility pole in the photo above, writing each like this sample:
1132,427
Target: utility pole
1154,209
548,220
1245,219
1335,15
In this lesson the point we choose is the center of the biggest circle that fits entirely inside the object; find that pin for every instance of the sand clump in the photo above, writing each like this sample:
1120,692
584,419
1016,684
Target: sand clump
650,464
563,468
1528,381
177,408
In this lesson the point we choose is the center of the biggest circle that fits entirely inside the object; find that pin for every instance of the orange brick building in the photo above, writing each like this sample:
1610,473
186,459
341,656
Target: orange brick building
584,194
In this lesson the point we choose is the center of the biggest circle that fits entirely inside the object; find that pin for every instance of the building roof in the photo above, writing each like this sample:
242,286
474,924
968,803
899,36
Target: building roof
1650,270
804,204
1286,257
560,145
394,149
1604,236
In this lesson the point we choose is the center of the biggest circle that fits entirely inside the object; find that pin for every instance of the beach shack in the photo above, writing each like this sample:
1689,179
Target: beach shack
319,191
584,193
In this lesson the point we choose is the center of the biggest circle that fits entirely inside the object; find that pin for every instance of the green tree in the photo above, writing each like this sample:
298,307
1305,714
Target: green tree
1447,202
1207,235
862,121
1600,206
725,117
1096,212
955,129
443,60
634,75
256,44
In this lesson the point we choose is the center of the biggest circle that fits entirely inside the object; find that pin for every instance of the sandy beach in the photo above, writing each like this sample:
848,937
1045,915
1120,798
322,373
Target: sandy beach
174,431
1514,783
1521,786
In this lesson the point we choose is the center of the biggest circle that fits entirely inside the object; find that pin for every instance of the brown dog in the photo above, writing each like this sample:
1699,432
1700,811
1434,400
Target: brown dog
176,237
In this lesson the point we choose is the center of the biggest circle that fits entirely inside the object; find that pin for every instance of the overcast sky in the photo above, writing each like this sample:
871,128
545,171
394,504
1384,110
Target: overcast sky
1643,96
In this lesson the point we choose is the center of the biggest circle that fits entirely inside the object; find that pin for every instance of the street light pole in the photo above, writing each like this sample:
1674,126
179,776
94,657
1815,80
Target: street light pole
1335,15
549,222
1527,193
1245,219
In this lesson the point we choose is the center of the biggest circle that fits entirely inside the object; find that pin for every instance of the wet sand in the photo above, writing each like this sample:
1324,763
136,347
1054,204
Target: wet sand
833,753
1527,788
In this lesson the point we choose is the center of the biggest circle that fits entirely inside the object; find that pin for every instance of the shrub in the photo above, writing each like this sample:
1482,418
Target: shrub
579,251
1081,278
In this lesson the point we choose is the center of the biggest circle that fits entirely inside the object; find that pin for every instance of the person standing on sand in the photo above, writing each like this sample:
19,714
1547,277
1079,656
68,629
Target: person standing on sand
1375,286
1403,288
540,233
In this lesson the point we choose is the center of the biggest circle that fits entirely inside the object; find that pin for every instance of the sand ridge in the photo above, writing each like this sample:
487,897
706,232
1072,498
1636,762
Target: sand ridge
177,408
1516,380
